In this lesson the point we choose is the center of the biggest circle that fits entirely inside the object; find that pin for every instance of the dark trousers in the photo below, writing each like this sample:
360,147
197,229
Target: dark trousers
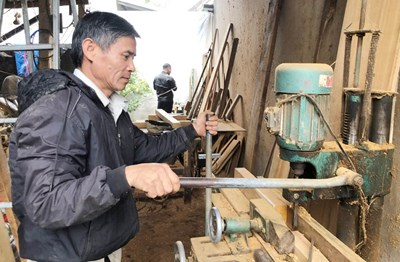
165,105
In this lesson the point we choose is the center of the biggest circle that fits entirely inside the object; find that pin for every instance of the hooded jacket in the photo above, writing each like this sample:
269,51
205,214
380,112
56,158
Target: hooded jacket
67,164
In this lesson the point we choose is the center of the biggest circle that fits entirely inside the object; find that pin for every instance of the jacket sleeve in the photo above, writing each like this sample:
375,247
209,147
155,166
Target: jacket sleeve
52,184
162,148
174,87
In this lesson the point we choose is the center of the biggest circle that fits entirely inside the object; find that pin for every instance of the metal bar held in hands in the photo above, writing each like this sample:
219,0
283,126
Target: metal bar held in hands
208,203
344,177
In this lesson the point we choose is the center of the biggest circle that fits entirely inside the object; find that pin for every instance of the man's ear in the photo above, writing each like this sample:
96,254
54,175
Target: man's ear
89,49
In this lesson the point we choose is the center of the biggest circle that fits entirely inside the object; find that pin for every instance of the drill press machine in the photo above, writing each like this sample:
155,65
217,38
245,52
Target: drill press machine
299,121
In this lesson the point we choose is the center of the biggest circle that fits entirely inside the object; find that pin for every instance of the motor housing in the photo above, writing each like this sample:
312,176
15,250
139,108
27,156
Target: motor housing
303,96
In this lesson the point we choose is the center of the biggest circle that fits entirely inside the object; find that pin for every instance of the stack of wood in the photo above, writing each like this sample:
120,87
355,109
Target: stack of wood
228,143
211,92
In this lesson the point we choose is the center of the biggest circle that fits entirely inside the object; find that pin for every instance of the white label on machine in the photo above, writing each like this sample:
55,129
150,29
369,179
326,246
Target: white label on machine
326,81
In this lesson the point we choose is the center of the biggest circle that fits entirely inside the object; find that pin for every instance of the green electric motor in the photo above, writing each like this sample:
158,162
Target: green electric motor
303,94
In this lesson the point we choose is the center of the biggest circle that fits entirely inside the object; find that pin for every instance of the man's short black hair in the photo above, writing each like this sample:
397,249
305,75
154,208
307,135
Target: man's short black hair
103,28
166,65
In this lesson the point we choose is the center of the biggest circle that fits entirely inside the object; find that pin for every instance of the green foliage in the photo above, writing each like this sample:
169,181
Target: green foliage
135,91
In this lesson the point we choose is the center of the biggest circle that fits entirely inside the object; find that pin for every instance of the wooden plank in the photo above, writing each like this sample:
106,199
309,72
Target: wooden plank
5,172
277,232
180,117
225,208
154,117
204,250
6,252
225,156
238,201
229,126
279,168
235,158
185,122
5,192
276,257
215,70
228,114
217,144
141,124
225,93
303,247
272,196
203,79
325,241
262,80
168,118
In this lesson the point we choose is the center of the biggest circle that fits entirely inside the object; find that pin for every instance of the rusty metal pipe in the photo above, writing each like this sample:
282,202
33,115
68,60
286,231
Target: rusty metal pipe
343,177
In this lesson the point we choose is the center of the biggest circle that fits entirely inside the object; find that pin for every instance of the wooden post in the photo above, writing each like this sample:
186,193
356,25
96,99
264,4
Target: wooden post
262,79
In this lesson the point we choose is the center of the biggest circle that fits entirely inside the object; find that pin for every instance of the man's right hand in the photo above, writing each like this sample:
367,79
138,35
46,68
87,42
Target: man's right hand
153,178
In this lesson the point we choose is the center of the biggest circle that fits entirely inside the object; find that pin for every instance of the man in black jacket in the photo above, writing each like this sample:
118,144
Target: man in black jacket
75,155
164,84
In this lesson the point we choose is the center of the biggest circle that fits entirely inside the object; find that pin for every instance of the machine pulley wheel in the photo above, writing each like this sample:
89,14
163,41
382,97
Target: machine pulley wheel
179,251
216,225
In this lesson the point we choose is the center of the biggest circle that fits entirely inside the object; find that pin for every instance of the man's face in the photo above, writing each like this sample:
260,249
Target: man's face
112,68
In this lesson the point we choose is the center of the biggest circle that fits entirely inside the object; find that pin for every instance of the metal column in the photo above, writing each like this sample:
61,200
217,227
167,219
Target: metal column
24,4
2,4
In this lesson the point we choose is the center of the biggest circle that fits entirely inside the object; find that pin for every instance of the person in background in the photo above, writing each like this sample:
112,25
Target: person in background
164,84
75,157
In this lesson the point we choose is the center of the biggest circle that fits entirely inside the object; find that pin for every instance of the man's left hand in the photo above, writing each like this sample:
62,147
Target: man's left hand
201,124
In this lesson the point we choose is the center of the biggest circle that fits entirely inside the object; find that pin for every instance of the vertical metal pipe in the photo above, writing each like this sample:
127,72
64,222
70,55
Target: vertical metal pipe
351,119
208,175
357,65
25,15
381,113
346,65
393,110
56,34
362,15
366,107
360,37
347,222
370,251
74,12
2,5
392,119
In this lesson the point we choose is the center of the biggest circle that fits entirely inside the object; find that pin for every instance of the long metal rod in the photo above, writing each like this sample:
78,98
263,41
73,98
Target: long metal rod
208,200
346,65
2,5
360,36
74,11
56,34
25,15
366,106
349,178
31,47
356,81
